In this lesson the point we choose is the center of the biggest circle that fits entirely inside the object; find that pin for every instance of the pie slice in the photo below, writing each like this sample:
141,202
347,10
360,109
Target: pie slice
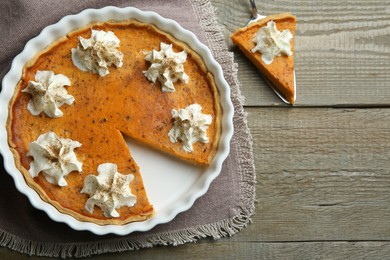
105,109
280,73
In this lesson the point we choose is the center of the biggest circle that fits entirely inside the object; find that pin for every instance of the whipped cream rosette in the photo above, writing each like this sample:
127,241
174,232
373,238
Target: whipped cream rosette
270,42
48,93
54,157
97,53
109,190
189,126
167,67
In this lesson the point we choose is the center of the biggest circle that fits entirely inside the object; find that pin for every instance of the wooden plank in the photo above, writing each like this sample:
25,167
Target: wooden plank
225,249
342,51
322,174
253,250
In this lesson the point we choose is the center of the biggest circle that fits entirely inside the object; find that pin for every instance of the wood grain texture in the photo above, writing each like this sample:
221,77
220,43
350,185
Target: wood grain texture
323,174
342,54
225,249
254,250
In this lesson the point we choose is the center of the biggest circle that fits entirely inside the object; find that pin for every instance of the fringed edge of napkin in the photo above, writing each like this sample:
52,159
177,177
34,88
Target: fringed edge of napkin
227,227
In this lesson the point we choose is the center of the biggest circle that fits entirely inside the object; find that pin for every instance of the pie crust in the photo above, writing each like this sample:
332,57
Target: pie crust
106,108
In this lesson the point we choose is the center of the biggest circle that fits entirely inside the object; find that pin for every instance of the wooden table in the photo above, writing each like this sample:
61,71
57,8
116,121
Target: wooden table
323,169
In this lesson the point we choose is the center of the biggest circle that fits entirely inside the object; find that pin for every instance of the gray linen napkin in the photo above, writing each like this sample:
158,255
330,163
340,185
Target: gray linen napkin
224,210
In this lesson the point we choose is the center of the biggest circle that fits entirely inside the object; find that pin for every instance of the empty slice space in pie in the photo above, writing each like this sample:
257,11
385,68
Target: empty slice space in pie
280,73
122,103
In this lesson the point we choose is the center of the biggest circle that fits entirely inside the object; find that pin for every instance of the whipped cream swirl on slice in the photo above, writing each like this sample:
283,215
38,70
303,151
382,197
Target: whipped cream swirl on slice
166,66
189,126
48,93
98,52
54,157
109,190
270,42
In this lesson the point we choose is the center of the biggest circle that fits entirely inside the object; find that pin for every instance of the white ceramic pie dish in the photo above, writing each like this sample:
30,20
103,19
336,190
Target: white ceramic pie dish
178,184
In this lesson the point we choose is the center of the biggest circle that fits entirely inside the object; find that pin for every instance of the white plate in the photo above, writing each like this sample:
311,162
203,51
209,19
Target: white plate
177,185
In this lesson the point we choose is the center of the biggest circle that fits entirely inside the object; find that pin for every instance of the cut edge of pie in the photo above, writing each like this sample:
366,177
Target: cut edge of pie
83,218
148,213
280,73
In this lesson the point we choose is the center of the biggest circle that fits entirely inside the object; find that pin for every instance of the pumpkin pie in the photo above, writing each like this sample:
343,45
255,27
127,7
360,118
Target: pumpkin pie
101,107
264,42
